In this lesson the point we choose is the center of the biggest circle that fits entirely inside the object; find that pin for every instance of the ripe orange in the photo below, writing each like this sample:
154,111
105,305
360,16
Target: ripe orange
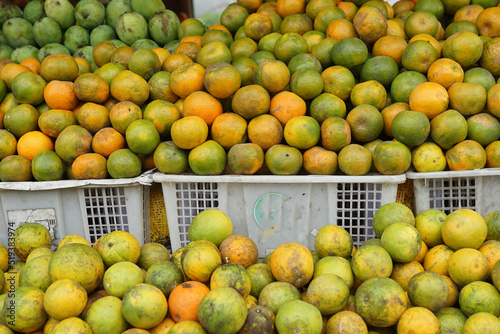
283,160
102,52
355,159
221,79
93,116
320,161
466,155
89,166
245,158
335,133
391,46
467,98
90,87
366,122
286,105
186,79
128,86
204,105
106,141
370,24
189,132
229,129
265,130
123,113
392,157
250,101
430,98
60,95
302,132
59,67
32,143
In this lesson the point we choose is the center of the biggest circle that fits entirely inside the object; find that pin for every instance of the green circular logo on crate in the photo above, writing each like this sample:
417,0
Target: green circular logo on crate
268,209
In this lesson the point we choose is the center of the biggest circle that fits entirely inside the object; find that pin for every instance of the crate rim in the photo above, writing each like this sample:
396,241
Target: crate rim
278,179
450,174
143,179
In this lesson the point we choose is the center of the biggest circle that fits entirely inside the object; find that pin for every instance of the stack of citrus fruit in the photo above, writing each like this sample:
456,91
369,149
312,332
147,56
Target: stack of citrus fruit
281,87
430,273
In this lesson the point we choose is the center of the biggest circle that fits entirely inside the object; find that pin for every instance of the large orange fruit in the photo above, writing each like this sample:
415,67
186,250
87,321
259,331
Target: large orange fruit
59,67
297,272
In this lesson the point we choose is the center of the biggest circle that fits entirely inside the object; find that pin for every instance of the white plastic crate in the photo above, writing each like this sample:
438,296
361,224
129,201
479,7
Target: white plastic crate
90,208
272,209
448,191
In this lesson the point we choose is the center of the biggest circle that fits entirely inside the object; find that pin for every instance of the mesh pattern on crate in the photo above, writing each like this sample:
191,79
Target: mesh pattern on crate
450,194
356,205
192,198
106,211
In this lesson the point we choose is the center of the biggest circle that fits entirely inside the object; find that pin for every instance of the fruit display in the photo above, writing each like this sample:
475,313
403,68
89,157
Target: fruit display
91,90
436,272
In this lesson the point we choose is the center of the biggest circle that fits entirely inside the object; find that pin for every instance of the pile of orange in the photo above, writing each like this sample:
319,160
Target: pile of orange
283,87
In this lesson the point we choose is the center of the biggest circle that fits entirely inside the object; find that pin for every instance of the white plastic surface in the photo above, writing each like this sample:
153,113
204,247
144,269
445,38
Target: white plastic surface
448,191
274,209
90,208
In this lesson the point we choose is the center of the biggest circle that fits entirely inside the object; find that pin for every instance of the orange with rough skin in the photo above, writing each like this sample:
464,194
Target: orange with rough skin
468,13
265,130
184,299
464,47
273,75
59,67
102,52
128,86
297,23
335,133
487,22
204,105
195,39
122,55
467,98
394,28
250,101
124,113
430,98
369,92
391,46
257,26
366,122
320,161
60,95
172,62
289,7
244,159
162,114
418,317
339,29
93,116
83,65
370,24
107,140
466,155
354,159
186,79
221,79
33,142
428,38
239,249
286,105
53,121
392,158
388,114
189,132
189,49
349,8
493,154
293,263
445,72
90,87
31,63
161,53
229,129
10,71
89,166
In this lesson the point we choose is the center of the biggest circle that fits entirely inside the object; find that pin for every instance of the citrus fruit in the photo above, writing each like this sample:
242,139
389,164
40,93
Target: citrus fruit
418,317
371,261
355,159
300,273
64,298
120,277
467,265
391,213
283,159
410,127
391,157
144,306
329,293
208,158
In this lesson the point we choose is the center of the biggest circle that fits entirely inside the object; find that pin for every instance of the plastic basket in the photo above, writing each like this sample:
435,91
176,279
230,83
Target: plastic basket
90,208
272,210
478,190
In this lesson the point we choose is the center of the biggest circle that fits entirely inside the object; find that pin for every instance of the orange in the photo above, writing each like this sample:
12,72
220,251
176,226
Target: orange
109,71
186,79
455,27
469,13
467,265
313,38
366,122
404,84
243,47
229,129
107,140
188,48
464,47
28,87
15,168
144,62
89,166
273,75
83,65
61,95
428,157
53,121
492,154
482,321
437,258
233,17
448,128
490,52
191,27
173,61
159,87
202,104
426,37
213,52
102,52
445,72
124,163
481,76
142,137
289,7
162,114
320,161
265,130
370,24
124,113
189,132
349,8
302,132
275,19
194,39
245,159
221,79
327,105
208,158
257,26
31,63
421,22
122,55
369,92
297,272
21,119
410,127
161,53
388,114
290,45
391,46
340,28
298,23
487,22
418,56
403,272
355,159
33,142
90,87
184,299
286,105
467,98
466,155
380,68
250,101
307,83
392,158
338,81
10,71
283,160
430,98
8,143
418,317
349,52
335,133
93,116
59,67
128,86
